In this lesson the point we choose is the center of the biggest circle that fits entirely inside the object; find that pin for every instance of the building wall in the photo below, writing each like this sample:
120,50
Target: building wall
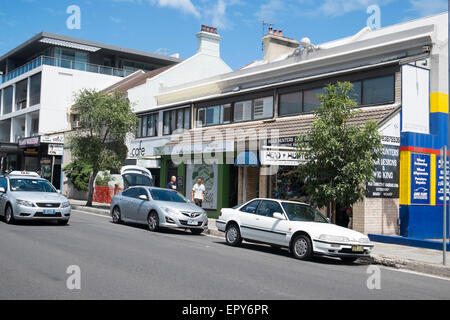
375,215
58,90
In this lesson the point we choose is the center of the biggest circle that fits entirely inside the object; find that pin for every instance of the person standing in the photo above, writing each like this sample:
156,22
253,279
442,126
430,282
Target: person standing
198,193
172,185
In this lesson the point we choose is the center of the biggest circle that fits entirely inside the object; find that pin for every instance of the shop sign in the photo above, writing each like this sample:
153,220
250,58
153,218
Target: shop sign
55,150
276,157
420,180
30,152
440,181
29,142
284,141
57,138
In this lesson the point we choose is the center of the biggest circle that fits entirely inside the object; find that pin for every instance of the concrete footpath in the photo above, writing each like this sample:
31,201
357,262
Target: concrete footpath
391,255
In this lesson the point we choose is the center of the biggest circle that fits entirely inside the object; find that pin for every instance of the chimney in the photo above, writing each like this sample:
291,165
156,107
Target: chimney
209,41
275,45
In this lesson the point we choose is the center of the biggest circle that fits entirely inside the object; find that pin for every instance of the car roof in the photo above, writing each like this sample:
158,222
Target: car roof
281,200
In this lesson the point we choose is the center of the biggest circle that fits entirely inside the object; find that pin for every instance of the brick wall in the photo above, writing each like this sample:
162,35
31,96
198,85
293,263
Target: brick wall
374,215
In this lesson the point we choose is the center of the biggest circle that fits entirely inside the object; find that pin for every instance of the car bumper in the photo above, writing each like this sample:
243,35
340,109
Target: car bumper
37,213
353,250
221,225
182,223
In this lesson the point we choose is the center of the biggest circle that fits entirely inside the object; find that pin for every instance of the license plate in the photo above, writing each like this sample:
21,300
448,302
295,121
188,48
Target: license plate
49,212
192,222
357,249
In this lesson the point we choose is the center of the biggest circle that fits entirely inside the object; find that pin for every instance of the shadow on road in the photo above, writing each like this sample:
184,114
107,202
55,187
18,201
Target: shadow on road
184,232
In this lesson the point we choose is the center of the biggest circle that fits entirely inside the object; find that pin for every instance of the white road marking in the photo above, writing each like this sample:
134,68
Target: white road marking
92,214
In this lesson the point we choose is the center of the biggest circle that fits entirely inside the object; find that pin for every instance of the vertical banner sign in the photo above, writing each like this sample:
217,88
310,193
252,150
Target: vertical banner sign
420,182
440,180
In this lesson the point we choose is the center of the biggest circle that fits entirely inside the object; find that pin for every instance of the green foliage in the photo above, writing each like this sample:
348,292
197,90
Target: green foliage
103,179
79,173
105,121
339,157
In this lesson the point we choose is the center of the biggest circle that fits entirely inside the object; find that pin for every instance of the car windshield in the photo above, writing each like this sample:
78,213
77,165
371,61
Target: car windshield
135,179
167,195
31,185
302,212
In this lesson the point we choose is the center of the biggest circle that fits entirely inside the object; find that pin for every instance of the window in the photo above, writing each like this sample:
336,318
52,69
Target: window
251,207
134,179
167,195
130,193
35,89
141,192
3,183
178,119
31,185
243,111
356,92
378,90
21,94
214,115
7,100
301,212
291,103
147,126
263,108
311,99
268,208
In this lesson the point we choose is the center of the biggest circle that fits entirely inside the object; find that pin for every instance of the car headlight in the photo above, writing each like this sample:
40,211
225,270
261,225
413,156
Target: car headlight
329,237
364,240
65,204
25,203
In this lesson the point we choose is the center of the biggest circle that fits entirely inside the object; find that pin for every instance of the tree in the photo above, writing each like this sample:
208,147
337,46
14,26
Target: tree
99,141
339,156
79,173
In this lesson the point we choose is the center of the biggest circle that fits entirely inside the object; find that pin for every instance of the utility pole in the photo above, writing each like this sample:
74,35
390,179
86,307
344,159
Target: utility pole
267,24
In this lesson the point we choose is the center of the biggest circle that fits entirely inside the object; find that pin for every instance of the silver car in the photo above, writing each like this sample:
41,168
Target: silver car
158,208
28,197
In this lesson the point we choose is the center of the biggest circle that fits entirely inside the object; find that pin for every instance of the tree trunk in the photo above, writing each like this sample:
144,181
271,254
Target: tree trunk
91,188
333,212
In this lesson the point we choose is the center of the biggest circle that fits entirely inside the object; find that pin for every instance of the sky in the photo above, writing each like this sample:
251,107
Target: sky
169,26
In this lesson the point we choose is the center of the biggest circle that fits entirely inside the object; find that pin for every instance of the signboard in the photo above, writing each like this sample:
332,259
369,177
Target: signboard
29,142
285,142
415,99
387,168
209,173
55,150
440,181
57,138
280,157
420,181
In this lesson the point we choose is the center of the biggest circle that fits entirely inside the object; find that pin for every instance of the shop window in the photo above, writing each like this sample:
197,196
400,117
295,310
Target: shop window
311,101
378,90
291,103
263,108
35,89
243,111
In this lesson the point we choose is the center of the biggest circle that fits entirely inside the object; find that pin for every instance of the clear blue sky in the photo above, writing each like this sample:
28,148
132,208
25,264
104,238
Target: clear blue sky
151,25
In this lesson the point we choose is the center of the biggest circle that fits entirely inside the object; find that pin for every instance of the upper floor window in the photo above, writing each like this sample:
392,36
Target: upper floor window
378,90
261,108
214,115
291,103
7,99
35,89
148,126
178,119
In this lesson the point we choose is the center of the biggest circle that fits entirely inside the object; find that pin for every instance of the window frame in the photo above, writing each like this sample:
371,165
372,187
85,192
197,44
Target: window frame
173,119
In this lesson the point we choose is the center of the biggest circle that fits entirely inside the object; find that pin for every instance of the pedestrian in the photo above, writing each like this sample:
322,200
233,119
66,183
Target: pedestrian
172,185
198,193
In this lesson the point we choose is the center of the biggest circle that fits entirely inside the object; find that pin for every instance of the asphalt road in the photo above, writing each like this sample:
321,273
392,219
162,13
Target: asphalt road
129,262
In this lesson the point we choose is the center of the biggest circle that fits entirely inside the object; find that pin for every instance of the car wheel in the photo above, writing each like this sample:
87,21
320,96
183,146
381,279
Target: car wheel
301,247
197,231
9,215
116,216
348,259
233,235
153,221
62,222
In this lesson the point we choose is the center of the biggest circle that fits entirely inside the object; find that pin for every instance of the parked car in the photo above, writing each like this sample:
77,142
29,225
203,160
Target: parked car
158,208
294,225
26,196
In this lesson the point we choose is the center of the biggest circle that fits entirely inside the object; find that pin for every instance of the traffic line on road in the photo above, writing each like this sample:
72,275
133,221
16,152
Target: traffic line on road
92,214
416,273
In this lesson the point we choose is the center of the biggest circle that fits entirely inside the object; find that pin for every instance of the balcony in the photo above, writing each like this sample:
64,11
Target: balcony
68,64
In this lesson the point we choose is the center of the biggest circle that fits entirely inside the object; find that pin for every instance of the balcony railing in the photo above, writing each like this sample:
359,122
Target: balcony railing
63,63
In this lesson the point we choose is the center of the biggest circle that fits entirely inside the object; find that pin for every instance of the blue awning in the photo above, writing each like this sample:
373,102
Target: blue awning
247,159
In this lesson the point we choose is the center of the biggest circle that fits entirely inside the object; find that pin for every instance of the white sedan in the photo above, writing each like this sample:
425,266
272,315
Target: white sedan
296,226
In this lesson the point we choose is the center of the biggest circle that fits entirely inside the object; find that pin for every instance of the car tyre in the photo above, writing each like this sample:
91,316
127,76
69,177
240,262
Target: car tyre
233,235
301,247
62,222
153,221
348,259
9,215
116,215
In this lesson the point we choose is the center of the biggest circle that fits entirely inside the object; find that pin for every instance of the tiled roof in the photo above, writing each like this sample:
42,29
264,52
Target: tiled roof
136,79
287,126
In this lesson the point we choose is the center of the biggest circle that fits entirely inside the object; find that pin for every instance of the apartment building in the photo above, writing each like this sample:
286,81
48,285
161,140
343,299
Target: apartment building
37,86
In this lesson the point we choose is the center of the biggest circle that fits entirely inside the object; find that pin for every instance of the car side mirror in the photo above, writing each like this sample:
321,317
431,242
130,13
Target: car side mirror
143,197
2,190
279,216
